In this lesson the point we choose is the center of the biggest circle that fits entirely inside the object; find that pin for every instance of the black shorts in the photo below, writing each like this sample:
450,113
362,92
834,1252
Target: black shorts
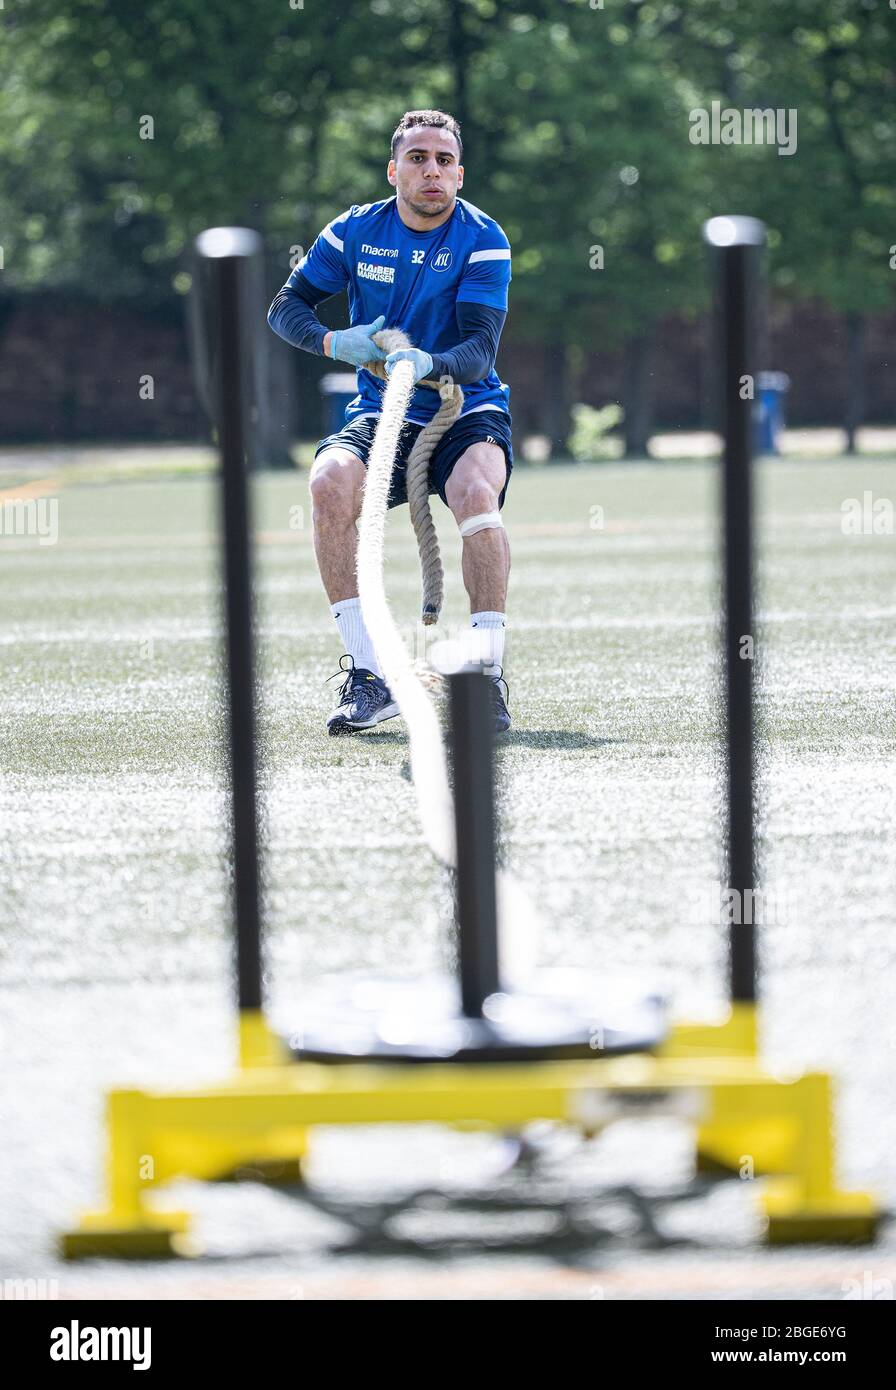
479,425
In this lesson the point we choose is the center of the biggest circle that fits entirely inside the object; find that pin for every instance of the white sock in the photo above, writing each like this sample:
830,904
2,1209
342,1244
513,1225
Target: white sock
355,637
489,640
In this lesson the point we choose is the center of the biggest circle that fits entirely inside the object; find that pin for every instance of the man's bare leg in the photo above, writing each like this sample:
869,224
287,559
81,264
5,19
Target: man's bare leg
337,492
473,490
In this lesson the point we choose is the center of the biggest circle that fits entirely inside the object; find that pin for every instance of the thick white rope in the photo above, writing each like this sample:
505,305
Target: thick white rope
429,763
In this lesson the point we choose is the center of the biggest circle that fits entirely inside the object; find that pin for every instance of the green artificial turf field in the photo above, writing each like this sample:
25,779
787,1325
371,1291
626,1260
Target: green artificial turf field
115,951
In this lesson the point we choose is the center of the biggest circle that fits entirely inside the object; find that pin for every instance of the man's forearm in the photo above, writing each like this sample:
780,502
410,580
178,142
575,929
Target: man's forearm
469,361
293,318
474,357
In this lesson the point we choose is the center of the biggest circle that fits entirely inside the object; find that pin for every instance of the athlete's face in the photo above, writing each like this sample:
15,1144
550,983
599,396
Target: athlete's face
426,174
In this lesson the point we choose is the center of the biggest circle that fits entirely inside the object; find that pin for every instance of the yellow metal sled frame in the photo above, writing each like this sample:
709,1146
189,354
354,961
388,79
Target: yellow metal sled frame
260,1123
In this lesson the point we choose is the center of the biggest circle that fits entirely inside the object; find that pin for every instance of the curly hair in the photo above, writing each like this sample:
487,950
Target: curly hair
439,119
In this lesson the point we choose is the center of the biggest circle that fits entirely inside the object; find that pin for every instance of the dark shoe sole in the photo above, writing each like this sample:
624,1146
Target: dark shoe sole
342,725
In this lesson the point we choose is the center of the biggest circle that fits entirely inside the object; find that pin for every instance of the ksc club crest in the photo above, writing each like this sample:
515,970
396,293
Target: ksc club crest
442,259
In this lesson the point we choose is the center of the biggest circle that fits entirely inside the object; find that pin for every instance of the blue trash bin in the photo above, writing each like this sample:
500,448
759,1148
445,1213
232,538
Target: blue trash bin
337,389
772,388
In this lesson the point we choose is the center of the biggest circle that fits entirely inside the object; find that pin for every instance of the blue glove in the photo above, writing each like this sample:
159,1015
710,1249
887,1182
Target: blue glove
421,360
356,345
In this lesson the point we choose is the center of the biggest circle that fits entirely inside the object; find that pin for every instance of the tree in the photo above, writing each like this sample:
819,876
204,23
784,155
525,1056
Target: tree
831,206
125,129
128,129
599,186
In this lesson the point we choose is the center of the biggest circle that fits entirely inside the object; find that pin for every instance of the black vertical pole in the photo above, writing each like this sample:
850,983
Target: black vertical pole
229,251
474,820
738,242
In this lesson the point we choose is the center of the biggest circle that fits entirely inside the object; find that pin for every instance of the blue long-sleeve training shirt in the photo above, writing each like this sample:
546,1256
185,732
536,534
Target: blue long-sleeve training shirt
446,288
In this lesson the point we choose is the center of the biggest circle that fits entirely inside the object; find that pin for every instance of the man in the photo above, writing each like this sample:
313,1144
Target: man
432,264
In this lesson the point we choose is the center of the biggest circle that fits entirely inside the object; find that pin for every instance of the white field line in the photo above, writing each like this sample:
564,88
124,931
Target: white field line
596,621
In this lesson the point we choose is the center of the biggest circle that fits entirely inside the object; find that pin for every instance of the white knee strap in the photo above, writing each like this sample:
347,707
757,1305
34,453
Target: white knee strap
480,523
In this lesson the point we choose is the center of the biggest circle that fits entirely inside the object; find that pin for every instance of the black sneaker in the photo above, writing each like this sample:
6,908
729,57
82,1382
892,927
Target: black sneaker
499,708
364,700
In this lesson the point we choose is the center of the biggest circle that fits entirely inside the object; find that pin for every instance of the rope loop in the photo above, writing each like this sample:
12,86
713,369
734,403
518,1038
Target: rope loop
452,400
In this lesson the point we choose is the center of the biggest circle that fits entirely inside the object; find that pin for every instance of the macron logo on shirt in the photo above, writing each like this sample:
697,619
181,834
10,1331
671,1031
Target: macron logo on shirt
378,250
